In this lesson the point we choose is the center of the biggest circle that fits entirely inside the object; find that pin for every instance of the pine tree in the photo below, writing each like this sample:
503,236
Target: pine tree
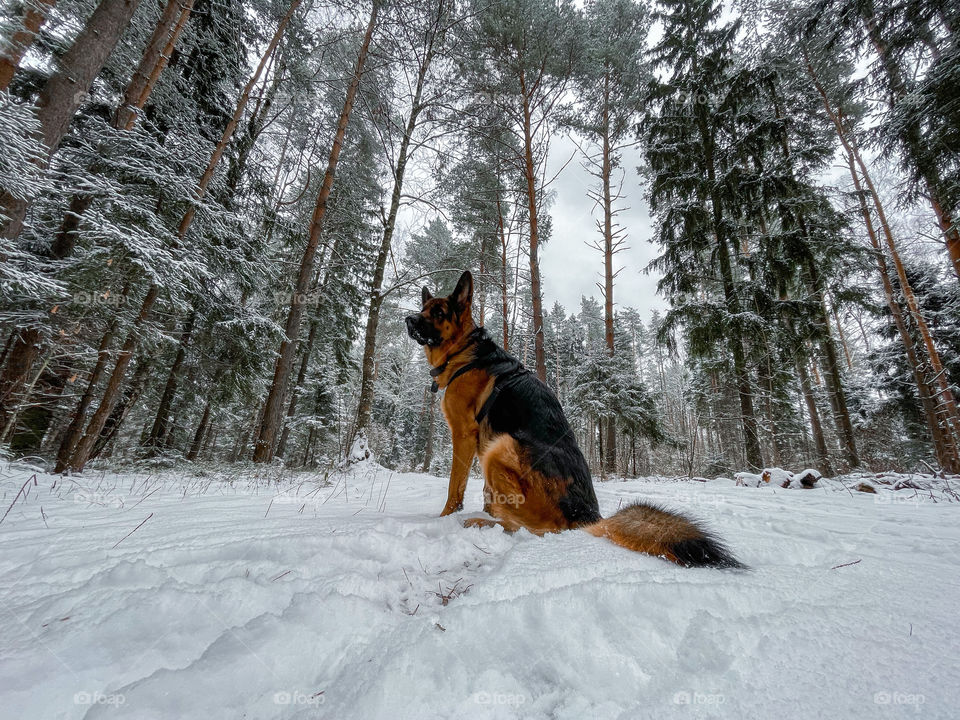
694,142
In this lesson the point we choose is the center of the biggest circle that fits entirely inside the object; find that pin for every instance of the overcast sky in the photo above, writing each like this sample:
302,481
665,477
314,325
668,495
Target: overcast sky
571,268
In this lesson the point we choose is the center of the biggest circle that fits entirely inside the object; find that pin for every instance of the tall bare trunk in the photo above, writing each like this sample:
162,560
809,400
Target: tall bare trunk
273,409
430,399
72,435
368,365
197,443
529,169
610,458
504,291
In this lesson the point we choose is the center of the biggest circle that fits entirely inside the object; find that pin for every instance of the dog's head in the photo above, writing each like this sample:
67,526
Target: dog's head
443,321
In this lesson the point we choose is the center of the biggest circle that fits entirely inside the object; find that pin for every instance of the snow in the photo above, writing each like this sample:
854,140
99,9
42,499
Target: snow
191,594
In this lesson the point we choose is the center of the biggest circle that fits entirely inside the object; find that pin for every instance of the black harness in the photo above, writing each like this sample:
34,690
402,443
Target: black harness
512,370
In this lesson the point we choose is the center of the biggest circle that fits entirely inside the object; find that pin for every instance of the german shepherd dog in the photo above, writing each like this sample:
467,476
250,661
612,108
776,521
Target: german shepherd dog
535,476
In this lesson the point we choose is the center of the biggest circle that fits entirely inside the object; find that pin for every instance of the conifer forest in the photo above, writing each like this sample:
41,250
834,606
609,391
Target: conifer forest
215,214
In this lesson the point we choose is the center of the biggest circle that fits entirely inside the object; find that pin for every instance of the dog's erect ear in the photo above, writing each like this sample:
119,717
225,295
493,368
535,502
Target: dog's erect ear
463,293
425,295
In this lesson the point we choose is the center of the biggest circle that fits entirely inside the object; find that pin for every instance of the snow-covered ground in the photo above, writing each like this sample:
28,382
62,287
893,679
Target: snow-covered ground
174,595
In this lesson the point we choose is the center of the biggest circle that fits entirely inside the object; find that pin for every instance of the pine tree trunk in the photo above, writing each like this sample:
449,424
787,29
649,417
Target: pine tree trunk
185,11
944,445
75,429
533,210
161,421
137,92
197,443
368,365
838,397
428,446
306,352
122,409
823,455
610,459
273,409
66,90
748,418
110,394
504,290
34,15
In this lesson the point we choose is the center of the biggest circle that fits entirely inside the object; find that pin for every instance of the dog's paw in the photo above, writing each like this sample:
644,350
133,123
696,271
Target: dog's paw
450,510
478,522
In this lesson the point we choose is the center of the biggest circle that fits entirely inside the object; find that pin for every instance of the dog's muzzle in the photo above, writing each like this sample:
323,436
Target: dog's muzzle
414,331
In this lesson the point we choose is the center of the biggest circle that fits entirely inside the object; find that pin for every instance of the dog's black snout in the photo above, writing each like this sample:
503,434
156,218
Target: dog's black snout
411,321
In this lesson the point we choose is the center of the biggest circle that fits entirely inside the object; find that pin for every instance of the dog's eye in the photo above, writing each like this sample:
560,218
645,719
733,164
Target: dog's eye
436,312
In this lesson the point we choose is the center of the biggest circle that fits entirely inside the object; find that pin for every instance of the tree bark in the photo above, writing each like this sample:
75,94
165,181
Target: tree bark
823,455
267,436
66,89
161,421
504,291
34,15
532,209
306,352
197,443
944,445
428,446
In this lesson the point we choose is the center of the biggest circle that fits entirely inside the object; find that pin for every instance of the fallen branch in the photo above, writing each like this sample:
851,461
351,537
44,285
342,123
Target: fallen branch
846,564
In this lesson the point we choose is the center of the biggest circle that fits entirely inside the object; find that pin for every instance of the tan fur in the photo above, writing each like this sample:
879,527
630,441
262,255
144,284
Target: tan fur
517,495
645,529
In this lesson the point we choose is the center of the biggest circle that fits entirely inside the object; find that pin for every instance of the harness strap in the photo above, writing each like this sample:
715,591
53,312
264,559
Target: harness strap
473,365
499,383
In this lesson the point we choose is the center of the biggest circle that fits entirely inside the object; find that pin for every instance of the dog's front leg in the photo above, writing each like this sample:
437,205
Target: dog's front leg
464,450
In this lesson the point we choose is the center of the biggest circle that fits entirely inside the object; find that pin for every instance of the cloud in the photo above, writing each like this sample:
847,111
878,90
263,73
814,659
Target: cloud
569,266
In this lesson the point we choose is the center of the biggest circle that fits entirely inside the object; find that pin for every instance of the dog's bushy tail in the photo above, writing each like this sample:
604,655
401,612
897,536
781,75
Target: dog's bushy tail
650,529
